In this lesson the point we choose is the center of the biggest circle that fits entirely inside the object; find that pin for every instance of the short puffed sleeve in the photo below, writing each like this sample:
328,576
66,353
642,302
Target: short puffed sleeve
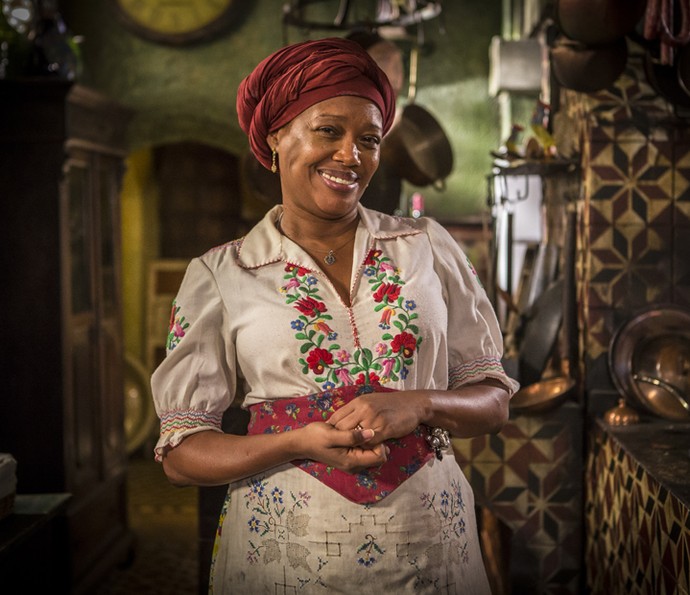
194,384
475,340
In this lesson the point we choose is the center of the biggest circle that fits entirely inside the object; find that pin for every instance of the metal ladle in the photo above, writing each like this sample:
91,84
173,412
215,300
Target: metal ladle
667,386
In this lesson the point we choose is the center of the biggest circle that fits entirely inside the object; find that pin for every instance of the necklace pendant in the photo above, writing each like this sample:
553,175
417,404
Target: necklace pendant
329,259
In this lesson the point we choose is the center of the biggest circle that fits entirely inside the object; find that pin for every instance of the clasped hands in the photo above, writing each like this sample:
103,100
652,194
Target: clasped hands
353,438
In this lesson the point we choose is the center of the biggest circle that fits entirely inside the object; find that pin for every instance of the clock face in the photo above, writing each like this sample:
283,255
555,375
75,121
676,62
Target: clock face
176,21
20,14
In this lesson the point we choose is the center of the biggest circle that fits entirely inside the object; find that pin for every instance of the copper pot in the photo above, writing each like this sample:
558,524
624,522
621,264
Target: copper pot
650,354
588,69
418,148
596,22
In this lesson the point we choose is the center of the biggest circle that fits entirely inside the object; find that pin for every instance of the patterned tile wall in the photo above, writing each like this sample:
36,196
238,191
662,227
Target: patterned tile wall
635,205
530,477
633,251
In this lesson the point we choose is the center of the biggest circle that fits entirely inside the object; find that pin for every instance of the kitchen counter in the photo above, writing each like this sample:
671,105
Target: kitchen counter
637,508
662,449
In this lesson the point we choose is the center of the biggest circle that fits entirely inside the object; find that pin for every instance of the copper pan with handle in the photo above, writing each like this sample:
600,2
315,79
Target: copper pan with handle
417,146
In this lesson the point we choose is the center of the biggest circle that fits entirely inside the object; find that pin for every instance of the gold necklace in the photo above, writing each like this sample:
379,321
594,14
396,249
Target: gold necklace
330,257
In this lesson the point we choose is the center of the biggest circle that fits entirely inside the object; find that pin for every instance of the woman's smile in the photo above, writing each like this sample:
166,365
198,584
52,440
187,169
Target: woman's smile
341,181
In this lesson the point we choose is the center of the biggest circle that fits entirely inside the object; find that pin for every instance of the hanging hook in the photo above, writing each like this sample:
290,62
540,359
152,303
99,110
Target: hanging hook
519,195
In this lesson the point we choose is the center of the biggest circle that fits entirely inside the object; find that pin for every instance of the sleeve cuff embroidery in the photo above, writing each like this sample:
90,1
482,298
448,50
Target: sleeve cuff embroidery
173,422
484,367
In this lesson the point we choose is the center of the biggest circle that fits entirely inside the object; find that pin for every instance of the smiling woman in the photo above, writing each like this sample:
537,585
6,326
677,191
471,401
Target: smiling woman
357,341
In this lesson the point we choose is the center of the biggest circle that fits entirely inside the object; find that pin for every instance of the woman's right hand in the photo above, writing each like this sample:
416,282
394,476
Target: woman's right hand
214,458
347,450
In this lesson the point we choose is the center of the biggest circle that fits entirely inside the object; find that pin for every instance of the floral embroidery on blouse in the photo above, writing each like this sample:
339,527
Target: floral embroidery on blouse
333,365
177,328
474,271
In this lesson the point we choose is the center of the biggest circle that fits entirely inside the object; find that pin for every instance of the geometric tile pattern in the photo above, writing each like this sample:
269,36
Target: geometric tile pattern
682,185
633,248
530,477
638,533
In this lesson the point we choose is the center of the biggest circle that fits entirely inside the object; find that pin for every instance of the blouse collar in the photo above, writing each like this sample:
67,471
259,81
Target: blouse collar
264,244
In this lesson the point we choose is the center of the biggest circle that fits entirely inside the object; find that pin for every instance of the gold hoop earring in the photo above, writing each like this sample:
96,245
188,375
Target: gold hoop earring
274,157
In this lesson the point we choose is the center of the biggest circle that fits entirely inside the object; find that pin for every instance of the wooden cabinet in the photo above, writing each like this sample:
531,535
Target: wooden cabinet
61,163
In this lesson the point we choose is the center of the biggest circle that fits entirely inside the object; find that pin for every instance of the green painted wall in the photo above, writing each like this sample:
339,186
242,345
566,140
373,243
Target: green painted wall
189,93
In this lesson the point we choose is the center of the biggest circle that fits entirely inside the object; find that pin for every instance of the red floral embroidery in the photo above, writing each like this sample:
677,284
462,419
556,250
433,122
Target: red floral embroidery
310,306
388,292
385,321
371,257
373,379
177,328
404,342
299,271
318,359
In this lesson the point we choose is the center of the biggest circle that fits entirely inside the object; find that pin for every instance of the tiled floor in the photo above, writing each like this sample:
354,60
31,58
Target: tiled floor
164,521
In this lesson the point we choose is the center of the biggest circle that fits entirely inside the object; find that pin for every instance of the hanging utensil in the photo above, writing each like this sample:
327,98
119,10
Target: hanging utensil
596,22
588,69
419,148
538,339
666,21
417,144
665,79
659,25
542,396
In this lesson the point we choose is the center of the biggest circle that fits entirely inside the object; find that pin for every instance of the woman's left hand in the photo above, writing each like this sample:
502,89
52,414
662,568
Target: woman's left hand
389,414
469,410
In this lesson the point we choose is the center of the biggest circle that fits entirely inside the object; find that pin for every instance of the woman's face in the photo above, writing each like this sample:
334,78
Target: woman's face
327,156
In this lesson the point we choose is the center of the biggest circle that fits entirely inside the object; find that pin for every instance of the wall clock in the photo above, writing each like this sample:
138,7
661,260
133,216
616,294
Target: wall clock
176,23
20,14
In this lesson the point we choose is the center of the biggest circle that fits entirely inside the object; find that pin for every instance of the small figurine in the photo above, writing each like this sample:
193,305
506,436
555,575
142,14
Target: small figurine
511,149
540,127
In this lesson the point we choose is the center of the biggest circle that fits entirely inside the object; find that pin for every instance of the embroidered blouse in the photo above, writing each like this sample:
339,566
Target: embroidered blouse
258,317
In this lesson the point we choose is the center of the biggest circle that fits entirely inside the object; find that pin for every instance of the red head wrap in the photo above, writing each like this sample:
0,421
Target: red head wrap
298,76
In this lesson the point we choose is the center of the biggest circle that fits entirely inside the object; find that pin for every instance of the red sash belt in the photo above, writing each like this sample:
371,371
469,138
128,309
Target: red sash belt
407,455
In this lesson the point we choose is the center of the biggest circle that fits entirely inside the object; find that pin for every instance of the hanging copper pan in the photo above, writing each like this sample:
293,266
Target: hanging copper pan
588,69
595,22
419,148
